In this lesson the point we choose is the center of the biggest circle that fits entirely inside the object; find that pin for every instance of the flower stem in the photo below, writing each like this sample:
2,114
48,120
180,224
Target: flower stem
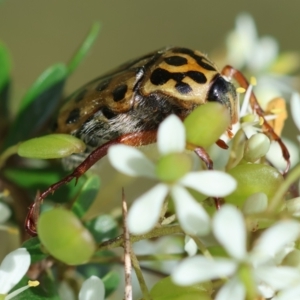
201,247
140,277
157,232
276,201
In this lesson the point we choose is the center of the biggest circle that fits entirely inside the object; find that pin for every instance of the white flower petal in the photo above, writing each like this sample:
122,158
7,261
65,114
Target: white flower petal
278,277
295,109
144,212
130,161
265,290
13,268
190,247
274,239
211,183
92,289
289,294
229,229
192,217
265,52
171,135
199,269
274,154
233,289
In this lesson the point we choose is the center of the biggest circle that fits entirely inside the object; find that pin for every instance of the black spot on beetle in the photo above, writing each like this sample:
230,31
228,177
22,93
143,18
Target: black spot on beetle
73,116
176,60
119,92
80,96
160,76
107,113
198,77
183,88
201,60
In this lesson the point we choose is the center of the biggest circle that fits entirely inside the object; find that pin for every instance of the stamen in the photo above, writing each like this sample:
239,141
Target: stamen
33,283
22,289
261,121
253,81
246,101
240,90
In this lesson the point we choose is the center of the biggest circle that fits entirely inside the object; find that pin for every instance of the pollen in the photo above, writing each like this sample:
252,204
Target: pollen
253,81
261,121
33,283
240,90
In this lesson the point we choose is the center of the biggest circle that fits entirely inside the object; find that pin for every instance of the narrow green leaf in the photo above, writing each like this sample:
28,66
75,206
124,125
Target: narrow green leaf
84,48
87,196
5,66
34,180
38,104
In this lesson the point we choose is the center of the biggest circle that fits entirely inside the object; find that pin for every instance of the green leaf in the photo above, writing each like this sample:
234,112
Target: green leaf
111,282
84,48
5,83
4,99
34,180
102,228
65,237
251,179
38,104
33,246
165,289
51,146
87,195
5,67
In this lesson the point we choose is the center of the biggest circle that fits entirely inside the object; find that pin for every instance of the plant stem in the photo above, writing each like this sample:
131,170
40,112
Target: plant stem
201,247
140,277
276,201
7,153
157,232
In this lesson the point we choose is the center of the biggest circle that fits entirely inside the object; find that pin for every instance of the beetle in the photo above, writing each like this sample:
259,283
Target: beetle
128,104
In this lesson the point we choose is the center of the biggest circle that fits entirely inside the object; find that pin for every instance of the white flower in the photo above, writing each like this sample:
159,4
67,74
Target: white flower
12,269
145,211
229,229
92,289
246,49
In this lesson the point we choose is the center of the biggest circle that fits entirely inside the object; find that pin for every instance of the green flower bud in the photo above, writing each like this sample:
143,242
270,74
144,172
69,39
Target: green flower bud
251,179
256,147
51,146
206,124
64,236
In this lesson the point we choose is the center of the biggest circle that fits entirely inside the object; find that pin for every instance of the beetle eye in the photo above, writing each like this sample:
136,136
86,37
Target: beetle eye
223,92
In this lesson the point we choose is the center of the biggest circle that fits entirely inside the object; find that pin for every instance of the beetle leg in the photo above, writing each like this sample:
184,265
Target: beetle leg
230,73
133,139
